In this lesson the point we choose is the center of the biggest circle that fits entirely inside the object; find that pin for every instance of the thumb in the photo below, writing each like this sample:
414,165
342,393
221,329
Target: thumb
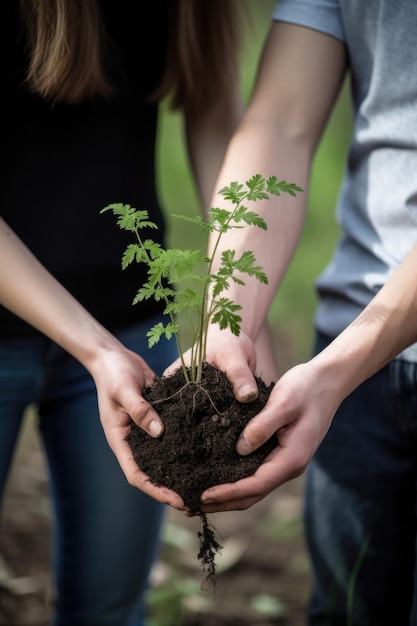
236,357
243,382
145,416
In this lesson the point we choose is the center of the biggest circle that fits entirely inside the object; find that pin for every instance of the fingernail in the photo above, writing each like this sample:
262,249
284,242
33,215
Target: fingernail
206,499
155,428
248,392
243,447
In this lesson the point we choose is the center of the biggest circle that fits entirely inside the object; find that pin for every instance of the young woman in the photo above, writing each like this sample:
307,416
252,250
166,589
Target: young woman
83,85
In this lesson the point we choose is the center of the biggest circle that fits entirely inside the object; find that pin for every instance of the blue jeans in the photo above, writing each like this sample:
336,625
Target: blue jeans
106,533
360,506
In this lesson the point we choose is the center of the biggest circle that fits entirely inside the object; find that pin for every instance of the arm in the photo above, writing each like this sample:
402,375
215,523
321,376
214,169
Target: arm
207,136
278,135
33,294
305,399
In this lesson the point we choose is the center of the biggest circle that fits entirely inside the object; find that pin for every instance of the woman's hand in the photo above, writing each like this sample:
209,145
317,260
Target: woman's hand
120,375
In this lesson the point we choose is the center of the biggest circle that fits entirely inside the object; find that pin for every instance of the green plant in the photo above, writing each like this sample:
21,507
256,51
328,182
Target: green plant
168,269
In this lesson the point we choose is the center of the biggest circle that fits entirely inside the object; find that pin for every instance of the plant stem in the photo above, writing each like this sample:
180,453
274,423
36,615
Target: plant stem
206,316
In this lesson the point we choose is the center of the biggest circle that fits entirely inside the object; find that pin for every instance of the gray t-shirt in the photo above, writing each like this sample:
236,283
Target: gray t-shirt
377,205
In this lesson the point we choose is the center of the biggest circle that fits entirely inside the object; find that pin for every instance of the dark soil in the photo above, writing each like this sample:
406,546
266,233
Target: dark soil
197,450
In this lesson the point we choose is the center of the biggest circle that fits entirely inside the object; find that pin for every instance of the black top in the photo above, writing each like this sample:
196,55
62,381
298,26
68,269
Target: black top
63,163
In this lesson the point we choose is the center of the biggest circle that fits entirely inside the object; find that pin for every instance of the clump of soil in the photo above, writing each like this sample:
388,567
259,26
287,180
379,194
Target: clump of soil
198,448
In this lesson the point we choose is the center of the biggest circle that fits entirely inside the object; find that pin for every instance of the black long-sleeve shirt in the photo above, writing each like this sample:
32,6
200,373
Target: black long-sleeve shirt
62,164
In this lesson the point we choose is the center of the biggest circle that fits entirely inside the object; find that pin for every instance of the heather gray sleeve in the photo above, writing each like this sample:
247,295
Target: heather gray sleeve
322,15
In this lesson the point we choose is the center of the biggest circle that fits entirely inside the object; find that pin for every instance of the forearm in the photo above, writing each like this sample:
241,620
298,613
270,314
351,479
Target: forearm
385,327
278,136
207,137
272,153
32,293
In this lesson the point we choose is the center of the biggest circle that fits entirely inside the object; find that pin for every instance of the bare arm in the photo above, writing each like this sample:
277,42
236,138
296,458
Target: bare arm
282,130
33,294
207,136
304,401
278,135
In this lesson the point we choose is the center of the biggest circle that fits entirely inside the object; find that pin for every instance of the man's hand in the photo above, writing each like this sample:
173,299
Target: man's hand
299,412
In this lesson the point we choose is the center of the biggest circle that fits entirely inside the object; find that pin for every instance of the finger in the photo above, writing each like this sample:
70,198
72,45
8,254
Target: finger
231,505
237,360
271,420
137,478
145,416
244,384
279,467
240,374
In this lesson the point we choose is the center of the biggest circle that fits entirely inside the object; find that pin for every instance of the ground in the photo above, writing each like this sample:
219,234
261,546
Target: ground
263,574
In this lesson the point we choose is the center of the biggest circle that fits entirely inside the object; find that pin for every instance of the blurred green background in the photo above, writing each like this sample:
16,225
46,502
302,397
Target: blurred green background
292,313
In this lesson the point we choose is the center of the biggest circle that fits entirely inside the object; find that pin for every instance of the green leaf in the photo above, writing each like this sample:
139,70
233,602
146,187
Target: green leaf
144,293
129,218
233,193
150,291
132,253
187,299
219,219
257,188
183,264
225,315
159,330
276,187
246,264
153,249
250,218
202,223
221,283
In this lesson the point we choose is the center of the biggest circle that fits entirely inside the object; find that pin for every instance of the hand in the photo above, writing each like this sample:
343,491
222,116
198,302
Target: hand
299,411
235,356
120,375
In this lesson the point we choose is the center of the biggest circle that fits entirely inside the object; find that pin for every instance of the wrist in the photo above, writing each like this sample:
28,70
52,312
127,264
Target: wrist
89,342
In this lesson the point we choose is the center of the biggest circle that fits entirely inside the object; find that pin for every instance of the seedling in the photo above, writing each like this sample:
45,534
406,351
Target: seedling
170,269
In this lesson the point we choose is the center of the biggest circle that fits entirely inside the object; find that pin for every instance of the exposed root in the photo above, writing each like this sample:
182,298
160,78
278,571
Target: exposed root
209,547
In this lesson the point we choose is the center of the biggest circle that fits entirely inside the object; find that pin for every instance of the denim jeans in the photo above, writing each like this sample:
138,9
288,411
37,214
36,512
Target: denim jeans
106,533
360,506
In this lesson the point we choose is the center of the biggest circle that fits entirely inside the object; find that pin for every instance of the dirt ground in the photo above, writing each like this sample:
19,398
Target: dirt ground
263,572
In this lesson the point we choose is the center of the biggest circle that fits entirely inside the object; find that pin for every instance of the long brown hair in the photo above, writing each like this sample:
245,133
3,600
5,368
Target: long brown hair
66,41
